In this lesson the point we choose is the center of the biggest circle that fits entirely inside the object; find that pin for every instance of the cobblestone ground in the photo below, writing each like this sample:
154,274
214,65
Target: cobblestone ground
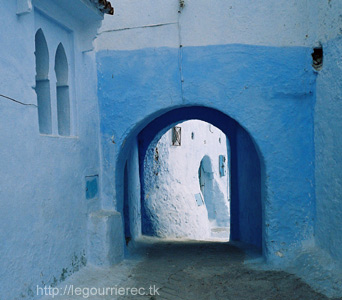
191,271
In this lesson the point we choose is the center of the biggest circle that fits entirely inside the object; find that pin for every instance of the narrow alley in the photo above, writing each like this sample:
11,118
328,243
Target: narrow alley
181,149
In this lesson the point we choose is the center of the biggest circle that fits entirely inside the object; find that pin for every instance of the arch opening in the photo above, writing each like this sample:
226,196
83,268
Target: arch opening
175,205
62,89
246,209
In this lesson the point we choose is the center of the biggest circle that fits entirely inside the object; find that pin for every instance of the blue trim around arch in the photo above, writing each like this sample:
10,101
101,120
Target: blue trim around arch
246,206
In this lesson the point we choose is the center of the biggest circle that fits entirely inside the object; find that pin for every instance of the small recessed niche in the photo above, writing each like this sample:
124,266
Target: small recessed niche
220,140
317,58
62,86
192,135
92,186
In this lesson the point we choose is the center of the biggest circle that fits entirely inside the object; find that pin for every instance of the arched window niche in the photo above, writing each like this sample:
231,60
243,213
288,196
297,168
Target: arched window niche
43,83
62,87
206,177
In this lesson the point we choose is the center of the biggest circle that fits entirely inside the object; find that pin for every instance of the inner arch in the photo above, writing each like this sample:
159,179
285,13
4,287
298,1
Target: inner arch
245,166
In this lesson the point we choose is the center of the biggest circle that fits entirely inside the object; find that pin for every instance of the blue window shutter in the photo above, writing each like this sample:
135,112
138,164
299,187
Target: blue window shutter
222,165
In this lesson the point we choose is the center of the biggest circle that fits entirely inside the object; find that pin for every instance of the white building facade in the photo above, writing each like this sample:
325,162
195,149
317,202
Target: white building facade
186,183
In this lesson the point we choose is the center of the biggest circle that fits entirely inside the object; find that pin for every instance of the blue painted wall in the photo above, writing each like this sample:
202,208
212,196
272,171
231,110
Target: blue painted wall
43,215
269,91
249,203
328,141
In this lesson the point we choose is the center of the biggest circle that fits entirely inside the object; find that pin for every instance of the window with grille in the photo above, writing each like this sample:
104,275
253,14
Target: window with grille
176,136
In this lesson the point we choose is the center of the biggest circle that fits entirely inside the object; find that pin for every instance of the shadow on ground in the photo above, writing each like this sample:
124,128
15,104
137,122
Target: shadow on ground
189,270
209,270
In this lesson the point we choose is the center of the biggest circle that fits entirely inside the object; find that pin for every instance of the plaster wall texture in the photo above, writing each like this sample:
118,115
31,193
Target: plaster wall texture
137,86
43,215
201,23
328,139
230,60
105,238
327,253
262,87
171,181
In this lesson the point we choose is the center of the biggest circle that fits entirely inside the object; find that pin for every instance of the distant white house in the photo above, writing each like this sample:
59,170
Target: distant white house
187,184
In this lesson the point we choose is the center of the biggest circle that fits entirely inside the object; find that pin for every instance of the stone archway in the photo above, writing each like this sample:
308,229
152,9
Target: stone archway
246,181
268,109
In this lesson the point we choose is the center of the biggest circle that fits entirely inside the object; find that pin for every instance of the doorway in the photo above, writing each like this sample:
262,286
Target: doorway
244,170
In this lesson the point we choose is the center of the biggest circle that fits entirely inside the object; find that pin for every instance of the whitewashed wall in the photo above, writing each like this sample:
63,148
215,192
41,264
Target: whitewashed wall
171,181
43,215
